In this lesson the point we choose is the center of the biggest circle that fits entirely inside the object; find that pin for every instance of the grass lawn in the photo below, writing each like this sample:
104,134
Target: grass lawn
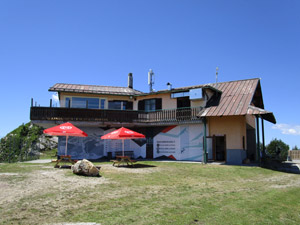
155,193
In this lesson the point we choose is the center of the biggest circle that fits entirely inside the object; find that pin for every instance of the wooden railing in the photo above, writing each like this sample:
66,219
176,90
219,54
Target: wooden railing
107,115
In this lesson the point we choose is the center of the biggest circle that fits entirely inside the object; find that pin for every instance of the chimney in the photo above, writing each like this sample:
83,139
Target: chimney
130,80
169,86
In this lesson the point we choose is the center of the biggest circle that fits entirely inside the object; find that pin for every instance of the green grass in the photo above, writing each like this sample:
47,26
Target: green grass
167,193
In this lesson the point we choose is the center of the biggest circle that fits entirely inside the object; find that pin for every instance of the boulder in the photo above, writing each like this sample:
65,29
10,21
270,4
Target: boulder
86,168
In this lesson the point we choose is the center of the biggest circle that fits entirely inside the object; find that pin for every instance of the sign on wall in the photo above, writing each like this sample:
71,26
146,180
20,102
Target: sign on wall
183,142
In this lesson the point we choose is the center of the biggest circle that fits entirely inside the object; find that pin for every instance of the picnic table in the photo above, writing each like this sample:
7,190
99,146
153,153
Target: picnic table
122,160
63,158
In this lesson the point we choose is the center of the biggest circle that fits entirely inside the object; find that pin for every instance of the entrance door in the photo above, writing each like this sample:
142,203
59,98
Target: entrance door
149,143
220,149
251,143
149,148
216,148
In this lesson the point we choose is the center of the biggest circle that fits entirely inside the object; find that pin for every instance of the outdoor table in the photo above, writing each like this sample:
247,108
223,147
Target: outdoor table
64,158
123,160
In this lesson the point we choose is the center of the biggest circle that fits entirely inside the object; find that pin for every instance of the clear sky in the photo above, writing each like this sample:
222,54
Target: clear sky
100,42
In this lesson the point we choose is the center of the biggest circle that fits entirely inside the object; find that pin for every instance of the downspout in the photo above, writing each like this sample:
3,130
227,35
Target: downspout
204,142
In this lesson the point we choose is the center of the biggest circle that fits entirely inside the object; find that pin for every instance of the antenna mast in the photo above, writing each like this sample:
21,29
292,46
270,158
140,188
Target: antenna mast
150,79
217,72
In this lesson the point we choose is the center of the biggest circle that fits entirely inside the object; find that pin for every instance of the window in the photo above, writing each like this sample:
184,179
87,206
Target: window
82,102
90,103
150,104
102,104
68,103
120,105
114,104
180,94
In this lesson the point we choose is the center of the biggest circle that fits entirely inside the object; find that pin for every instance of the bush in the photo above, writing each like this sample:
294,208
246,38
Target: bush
278,149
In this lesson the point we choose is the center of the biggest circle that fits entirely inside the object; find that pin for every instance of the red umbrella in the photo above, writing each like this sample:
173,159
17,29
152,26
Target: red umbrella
66,129
123,133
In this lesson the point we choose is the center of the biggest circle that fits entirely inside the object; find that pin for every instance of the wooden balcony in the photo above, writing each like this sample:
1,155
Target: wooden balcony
115,116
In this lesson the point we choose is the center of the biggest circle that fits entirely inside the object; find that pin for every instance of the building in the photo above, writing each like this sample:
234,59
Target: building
220,119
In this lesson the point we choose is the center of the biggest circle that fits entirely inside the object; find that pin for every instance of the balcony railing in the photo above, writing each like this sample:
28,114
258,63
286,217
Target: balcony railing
107,115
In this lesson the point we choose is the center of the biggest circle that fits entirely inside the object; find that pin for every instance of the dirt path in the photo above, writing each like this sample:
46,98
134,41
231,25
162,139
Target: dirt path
15,186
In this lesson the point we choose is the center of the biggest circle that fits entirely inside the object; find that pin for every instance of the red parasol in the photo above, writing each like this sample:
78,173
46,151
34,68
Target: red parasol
122,134
66,129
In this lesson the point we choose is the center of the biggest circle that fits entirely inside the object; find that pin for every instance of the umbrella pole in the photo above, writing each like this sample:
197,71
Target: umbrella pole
123,146
66,148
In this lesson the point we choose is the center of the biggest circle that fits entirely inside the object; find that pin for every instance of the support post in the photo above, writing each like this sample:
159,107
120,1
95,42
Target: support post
258,141
204,142
263,139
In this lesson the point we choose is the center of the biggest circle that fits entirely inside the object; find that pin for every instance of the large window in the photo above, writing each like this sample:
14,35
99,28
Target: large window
90,103
81,102
120,105
149,105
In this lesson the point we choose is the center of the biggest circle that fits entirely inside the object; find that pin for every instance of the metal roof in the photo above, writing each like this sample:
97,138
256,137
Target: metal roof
236,99
94,89
252,110
242,97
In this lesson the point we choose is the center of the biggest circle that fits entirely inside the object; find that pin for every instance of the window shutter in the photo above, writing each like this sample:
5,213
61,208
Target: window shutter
158,103
141,105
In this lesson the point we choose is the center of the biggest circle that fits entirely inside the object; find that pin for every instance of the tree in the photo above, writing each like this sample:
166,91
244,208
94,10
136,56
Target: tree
278,149
295,148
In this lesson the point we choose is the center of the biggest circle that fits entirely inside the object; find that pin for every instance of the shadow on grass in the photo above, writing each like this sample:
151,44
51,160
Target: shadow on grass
286,167
136,166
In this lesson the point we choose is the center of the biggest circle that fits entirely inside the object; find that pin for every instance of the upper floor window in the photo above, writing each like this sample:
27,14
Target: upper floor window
180,94
82,102
149,105
120,105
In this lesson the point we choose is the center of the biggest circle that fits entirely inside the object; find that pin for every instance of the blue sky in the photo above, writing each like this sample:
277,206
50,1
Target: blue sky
100,42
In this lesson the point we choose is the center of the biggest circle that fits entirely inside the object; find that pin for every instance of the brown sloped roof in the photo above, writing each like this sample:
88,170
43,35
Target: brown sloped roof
235,99
252,110
94,89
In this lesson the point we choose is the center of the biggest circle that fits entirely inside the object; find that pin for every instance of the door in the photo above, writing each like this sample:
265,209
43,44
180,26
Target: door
183,111
251,143
149,148
216,148
219,148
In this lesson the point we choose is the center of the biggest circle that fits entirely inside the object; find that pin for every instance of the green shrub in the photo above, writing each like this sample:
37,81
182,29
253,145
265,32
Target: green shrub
278,149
